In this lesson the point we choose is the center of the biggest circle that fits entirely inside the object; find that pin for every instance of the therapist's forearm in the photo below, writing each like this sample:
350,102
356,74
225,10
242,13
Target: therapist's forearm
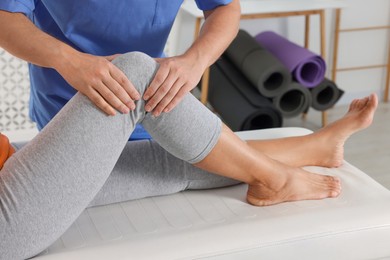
20,37
218,31
178,75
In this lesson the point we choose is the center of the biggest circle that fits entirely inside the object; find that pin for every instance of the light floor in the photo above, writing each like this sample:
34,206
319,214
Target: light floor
368,150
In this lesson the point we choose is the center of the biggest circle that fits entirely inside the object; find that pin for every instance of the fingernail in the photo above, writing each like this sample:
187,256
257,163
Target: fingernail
146,97
137,97
125,111
147,108
166,110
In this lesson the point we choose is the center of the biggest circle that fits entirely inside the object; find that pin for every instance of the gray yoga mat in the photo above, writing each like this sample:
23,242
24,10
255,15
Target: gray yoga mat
325,95
294,101
261,67
238,103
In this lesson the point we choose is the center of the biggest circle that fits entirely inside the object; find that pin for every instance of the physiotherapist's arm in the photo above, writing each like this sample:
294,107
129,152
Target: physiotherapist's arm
95,77
179,75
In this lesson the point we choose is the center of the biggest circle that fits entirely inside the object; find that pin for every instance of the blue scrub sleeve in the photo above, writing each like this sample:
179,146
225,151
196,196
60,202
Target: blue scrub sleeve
211,4
18,6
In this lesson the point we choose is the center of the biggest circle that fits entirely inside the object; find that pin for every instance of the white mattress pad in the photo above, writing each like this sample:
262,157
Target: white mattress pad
219,224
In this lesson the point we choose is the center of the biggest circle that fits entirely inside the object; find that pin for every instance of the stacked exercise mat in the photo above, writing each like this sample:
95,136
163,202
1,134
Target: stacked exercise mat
259,80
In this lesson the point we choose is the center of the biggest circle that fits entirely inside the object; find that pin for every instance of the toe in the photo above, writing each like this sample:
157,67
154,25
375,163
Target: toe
334,194
373,100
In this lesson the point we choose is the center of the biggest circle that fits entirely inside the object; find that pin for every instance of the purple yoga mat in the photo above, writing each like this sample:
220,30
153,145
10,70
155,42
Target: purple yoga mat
307,67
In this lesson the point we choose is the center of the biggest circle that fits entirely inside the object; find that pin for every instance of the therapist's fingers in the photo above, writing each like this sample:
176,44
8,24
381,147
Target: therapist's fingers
116,95
162,91
169,97
121,78
160,77
112,91
108,96
125,83
177,99
101,81
111,57
175,74
100,102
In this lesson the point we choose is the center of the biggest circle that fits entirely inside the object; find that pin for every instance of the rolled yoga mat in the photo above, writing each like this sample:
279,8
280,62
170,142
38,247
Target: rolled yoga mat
294,101
261,68
325,95
307,67
238,103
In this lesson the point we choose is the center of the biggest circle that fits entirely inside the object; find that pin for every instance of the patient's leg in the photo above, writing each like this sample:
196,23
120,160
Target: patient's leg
49,182
145,169
46,185
271,182
324,147
192,133
166,174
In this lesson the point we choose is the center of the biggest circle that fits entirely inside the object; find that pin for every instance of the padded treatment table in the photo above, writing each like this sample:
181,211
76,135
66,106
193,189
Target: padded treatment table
219,224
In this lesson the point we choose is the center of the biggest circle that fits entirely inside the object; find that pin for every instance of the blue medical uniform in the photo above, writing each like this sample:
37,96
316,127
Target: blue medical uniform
99,27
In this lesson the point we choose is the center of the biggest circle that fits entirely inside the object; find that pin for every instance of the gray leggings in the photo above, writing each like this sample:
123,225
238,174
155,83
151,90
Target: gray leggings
82,158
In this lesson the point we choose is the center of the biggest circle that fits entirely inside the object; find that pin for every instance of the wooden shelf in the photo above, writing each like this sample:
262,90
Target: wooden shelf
335,69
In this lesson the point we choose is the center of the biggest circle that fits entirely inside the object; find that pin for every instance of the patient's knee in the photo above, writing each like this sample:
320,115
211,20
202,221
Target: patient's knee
138,67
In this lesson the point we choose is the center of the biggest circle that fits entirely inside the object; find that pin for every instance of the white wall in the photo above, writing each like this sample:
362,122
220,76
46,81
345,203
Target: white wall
362,48
14,95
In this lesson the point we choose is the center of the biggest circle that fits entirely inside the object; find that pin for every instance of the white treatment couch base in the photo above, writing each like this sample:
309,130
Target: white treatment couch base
219,224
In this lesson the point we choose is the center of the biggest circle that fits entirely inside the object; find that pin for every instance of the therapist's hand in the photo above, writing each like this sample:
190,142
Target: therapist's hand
102,82
175,77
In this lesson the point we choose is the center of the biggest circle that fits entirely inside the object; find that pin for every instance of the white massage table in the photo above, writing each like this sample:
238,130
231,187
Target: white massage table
219,224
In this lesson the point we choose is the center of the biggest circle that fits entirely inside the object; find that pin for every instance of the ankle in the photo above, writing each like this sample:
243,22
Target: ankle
273,177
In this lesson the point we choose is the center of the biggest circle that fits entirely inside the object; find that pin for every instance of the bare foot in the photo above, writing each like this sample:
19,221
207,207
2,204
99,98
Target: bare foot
333,137
361,112
293,185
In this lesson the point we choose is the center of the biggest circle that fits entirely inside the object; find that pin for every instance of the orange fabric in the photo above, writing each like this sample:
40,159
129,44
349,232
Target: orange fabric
6,149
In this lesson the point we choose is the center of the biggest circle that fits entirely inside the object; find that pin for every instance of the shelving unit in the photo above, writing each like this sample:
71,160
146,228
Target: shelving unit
335,68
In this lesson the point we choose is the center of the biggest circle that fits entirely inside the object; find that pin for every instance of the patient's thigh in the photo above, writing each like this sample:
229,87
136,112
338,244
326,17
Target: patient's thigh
145,169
